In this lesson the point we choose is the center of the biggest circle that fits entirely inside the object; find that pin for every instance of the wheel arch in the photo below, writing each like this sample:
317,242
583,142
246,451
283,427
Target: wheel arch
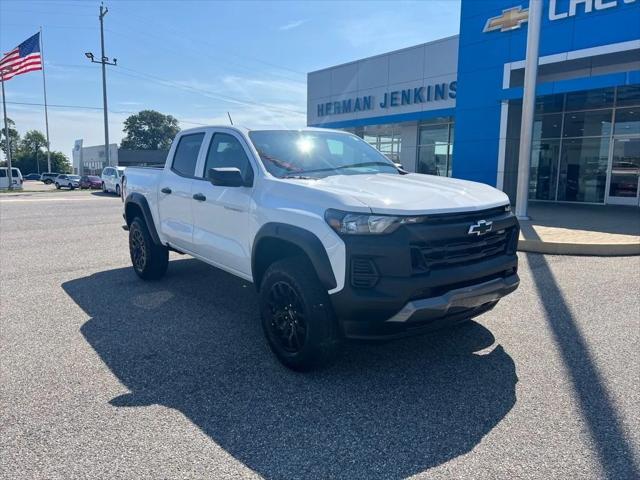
275,241
136,205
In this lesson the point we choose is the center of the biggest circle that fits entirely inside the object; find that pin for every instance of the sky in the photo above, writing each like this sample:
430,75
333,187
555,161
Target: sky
197,60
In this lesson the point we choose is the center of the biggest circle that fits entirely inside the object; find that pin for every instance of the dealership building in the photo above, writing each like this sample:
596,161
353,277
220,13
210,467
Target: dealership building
453,106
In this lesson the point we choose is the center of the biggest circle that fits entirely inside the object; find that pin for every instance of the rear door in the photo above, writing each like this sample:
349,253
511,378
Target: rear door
174,191
220,213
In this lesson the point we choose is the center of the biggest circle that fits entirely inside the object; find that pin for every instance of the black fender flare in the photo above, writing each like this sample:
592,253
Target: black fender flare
309,243
140,201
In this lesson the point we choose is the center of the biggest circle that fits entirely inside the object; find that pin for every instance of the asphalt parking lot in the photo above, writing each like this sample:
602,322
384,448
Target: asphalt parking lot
104,376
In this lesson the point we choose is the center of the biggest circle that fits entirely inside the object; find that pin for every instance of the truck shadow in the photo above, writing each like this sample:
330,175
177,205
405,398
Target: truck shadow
193,342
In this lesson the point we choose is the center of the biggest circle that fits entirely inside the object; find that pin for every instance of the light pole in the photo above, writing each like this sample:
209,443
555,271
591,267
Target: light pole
528,107
104,61
6,130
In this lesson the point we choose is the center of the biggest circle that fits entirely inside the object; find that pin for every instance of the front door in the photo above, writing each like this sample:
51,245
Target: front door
624,176
221,213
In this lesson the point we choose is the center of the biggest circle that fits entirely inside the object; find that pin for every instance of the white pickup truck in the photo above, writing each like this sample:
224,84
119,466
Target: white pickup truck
339,241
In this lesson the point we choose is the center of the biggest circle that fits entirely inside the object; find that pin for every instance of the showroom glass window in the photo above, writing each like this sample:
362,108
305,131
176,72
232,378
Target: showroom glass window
385,138
571,142
435,147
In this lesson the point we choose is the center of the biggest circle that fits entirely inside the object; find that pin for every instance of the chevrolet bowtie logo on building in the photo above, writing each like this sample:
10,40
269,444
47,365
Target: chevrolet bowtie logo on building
510,19
480,228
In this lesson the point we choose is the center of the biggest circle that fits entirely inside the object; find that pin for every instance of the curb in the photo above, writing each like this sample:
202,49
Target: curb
594,249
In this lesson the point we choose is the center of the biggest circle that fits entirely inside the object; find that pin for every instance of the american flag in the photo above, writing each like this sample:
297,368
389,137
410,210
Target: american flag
22,59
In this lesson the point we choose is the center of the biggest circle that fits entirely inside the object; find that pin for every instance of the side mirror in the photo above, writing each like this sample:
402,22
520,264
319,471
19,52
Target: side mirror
225,177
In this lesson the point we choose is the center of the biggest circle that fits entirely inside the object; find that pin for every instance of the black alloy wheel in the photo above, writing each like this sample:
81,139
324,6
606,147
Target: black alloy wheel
138,251
288,326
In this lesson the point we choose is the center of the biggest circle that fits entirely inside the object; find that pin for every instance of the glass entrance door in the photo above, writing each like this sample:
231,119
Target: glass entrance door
624,177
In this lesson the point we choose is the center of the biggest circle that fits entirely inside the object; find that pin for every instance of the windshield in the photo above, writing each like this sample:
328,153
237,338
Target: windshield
317,154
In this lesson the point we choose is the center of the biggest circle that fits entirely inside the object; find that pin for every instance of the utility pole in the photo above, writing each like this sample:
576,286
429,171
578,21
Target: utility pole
104,60
528,107
6,132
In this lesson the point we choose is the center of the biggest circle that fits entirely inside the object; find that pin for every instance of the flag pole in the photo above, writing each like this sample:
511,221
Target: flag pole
46,112
6,131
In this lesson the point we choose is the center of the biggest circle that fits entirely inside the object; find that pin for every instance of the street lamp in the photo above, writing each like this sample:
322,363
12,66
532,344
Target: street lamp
104,61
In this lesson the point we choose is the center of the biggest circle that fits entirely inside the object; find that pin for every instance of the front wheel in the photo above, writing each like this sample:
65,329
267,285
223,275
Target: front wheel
149,259
57,186
297,317
118,190
104,188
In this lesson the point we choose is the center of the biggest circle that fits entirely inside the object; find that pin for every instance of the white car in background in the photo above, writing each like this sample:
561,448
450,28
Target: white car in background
16,178
111,177
67,181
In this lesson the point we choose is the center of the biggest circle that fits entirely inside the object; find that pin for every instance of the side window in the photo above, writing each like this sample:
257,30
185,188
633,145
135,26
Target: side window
186,156
225,151
3,173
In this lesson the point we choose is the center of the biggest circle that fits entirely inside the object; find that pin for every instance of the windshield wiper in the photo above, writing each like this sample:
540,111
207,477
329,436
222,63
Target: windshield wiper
352,165
298,176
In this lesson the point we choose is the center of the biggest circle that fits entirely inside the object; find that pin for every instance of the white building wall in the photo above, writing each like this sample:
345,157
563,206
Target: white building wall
424,65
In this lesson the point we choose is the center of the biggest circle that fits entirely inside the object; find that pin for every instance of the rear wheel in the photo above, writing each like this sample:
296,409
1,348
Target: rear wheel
104,188
57,185
297,317
149,259
118,190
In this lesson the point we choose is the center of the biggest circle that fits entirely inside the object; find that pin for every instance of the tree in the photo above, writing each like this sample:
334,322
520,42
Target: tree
26,162
30,152
14,139
149,130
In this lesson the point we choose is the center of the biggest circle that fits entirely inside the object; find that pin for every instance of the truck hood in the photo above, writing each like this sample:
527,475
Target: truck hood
413,194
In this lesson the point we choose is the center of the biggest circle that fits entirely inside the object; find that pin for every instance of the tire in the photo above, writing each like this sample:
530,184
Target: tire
57,186
104,188
48,182
71,187
149,260
297,317
118,190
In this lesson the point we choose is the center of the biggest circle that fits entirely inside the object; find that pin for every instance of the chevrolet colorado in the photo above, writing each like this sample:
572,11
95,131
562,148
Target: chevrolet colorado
339,241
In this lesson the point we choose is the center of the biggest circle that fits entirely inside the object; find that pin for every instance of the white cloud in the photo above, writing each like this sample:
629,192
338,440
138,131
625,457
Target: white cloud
292,25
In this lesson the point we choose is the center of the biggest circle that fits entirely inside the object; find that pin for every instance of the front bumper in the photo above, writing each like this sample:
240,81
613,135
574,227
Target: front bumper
402,295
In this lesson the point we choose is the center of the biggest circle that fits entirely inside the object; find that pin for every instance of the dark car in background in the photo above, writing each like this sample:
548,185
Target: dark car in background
32,176
90,181
49,178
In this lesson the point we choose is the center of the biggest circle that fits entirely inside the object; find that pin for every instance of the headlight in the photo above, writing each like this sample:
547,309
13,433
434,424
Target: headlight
346,223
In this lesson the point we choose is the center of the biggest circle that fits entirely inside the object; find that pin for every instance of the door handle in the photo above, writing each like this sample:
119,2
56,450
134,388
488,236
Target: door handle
200,197
166,190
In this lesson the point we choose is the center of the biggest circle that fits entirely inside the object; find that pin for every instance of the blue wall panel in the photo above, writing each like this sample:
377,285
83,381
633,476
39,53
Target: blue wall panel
481,62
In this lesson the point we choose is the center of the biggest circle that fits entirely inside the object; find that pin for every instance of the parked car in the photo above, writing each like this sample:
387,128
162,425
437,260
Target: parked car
67,181
338,241
16,178
49,177
111,177
32,176
90,181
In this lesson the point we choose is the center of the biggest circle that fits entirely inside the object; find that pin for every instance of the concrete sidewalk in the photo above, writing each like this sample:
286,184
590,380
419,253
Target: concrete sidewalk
573,229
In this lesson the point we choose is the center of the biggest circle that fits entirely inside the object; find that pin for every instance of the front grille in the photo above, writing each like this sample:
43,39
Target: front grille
363,272
458,251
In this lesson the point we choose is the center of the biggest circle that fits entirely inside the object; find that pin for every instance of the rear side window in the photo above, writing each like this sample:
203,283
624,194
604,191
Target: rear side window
225,151
186,156
3,172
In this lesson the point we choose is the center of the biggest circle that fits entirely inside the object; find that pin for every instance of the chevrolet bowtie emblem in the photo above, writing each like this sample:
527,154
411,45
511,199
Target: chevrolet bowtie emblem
481,228
510,19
